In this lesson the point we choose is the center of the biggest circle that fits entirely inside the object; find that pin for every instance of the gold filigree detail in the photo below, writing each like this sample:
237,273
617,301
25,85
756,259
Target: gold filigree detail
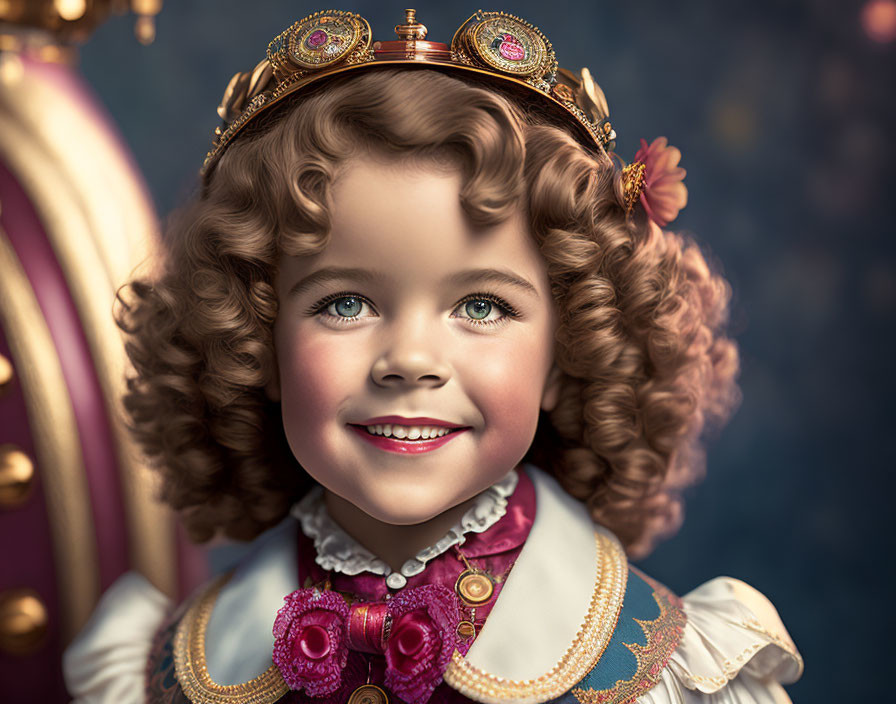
531,50
633,181
360,57
475,36
662,636
192,670
460,57
338,33
587,648
562,92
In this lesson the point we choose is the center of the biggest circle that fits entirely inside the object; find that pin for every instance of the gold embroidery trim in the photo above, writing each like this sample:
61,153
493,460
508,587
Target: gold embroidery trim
662,636
191,668
587,648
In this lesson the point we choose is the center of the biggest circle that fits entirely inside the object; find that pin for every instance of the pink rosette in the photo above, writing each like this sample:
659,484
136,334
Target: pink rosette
309,646
422,640
664,194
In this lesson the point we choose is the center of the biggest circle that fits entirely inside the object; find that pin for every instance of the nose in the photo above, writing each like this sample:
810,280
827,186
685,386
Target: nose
411,357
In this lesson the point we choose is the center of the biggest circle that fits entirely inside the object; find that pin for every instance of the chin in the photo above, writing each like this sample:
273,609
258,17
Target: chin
401,515
405,509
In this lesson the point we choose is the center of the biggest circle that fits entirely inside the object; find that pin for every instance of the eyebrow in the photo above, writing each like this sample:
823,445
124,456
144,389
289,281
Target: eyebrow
333,273
495,276
468,278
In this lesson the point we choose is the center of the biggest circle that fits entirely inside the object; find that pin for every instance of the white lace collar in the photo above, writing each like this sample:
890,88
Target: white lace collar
339,552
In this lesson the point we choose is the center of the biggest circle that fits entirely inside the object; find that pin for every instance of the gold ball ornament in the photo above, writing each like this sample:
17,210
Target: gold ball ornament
16,476
23,621
6,374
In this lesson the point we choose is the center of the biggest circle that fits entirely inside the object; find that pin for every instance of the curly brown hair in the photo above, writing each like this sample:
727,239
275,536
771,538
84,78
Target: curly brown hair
639,340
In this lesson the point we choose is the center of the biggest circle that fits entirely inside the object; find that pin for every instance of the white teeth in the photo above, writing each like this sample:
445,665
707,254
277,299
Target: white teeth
410,432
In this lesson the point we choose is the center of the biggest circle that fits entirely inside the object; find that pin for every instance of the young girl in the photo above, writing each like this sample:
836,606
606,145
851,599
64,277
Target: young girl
423,339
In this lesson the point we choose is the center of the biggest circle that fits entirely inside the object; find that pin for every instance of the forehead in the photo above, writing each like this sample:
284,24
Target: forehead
405,218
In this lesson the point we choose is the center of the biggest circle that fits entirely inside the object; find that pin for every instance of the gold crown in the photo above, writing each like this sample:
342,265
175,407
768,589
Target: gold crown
491,44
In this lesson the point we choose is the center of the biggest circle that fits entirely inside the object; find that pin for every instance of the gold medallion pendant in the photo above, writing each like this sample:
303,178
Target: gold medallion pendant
368,694
474,587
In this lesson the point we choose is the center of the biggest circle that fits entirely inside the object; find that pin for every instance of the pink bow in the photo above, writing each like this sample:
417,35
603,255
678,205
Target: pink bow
416,630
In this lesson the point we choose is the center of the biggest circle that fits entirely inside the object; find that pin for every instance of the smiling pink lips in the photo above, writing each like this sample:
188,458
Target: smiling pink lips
406,445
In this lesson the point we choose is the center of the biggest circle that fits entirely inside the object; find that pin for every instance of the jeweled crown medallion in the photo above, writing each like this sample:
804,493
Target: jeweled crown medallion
318,41
505,43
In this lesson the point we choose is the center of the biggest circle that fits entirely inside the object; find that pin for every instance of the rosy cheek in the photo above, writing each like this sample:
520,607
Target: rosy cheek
314,378
509,388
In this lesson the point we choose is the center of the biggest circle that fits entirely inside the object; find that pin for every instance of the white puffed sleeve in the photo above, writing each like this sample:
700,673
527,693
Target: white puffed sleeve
106,663
734,650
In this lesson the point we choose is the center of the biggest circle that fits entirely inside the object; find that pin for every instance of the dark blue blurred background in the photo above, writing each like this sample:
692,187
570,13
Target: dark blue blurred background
784,113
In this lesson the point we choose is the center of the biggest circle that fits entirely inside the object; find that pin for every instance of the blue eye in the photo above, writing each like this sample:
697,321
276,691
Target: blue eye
478,309
347,307
343,308
484,309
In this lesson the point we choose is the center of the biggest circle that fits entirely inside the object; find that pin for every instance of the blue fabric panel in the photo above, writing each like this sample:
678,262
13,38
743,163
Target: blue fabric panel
618,662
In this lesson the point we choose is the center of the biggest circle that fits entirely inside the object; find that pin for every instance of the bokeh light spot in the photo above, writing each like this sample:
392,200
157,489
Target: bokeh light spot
879,20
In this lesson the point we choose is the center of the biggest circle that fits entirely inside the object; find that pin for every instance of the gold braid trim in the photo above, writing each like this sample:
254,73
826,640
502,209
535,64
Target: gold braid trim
580,657
192,671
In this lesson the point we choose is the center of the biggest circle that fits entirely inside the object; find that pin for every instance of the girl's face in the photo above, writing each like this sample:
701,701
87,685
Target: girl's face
415,350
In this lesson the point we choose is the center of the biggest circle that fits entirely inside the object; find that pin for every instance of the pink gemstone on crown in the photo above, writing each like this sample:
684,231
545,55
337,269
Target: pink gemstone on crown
511,49
316,39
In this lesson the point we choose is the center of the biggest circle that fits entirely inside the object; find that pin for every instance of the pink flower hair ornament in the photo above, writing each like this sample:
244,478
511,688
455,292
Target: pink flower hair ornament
655,180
